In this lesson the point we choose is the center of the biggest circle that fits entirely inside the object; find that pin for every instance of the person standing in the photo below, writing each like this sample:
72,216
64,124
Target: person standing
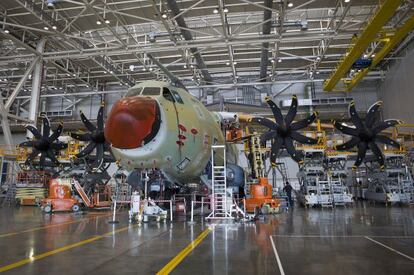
288,190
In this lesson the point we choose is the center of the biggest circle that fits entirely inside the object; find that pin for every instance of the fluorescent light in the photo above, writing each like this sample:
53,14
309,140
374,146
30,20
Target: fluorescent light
215,11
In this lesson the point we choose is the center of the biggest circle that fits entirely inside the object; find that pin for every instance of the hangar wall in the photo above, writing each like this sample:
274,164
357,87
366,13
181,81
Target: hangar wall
397,89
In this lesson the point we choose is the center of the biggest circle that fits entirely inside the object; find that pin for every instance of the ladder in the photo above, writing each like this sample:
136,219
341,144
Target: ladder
10,197
281,167
221,202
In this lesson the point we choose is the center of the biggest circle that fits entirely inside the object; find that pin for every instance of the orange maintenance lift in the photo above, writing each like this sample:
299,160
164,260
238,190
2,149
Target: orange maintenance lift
261,198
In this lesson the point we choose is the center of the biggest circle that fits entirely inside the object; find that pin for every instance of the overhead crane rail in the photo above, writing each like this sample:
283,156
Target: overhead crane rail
383,15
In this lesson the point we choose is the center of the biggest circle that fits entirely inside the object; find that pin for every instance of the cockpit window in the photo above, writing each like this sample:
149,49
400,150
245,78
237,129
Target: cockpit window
133,91
151,91
177,97
167,94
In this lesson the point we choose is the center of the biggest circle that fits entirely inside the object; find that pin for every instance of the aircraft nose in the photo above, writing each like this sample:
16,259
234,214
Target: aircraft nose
132,122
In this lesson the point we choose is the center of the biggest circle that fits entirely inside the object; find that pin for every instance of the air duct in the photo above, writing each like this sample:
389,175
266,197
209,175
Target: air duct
175,10
264,59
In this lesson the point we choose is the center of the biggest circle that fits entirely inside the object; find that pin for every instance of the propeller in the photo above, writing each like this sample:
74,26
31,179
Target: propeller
284,131
44,144
365,135
96,138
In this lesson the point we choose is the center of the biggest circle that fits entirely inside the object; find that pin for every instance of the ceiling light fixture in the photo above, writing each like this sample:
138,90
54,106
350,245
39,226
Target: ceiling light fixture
46,28
373,55
164,15
98,22
290,4
215,11
279,60
273,61
6,31
107,21
347,1
54,27
225,10
227,63
185,66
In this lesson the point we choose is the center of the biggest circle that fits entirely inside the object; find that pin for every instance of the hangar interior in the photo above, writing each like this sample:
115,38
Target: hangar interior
158,136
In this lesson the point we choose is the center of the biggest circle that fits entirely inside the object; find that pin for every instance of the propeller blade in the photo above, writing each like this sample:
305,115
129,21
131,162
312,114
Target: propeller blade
109,158
362,150
42,160
46,127
56,134
32,156
99,155
58,146
265,122
87,123
387,140
303,123
51,154
385,124
34,131
276,111
268,135
81,137
303,139
372,114
348,145
296,156
345,129
377,152
292,111
107,146
28,143
276,145
100,120
88,149
356,120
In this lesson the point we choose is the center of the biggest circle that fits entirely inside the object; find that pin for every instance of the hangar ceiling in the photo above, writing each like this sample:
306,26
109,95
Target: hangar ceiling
93,43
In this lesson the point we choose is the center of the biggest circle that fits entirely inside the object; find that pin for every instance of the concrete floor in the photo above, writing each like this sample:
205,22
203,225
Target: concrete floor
358,240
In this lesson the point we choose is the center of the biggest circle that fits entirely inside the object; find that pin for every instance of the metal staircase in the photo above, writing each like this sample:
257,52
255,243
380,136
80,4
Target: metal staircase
325,197
221,199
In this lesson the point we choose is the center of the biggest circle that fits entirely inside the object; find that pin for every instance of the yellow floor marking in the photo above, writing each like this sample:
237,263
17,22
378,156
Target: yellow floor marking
58,250
48,226
183,253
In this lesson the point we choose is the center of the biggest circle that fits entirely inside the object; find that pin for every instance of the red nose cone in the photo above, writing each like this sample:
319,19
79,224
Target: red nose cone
132,122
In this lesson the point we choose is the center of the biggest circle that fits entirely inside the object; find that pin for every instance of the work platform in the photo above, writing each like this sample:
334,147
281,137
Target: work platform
358,240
